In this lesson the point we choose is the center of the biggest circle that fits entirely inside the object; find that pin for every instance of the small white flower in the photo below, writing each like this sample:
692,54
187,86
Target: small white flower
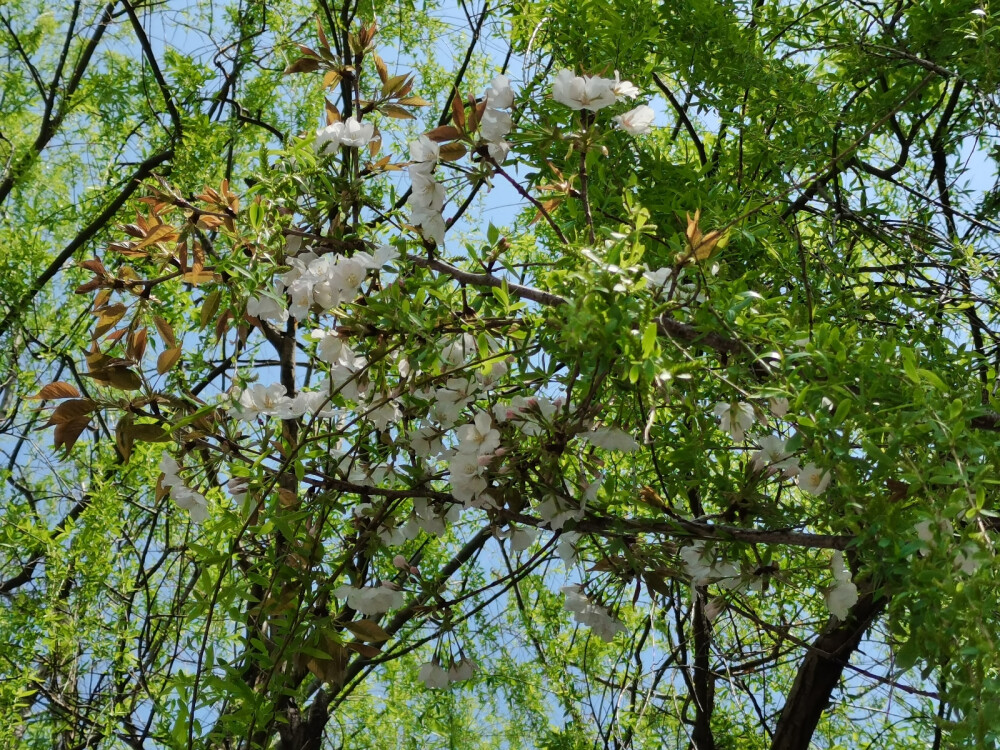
839,568
735,419
328,138
624,89
521,538
433,675
611,439
356,134
479,437
638,121
267,308
596,617
500,95
840,598
658,279
462,670
583,92
967,560
370,600
772,455
778,406
813,480
495,125
425,152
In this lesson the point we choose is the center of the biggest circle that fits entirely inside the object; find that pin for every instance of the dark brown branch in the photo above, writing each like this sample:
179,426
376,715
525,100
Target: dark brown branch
682,114
819,674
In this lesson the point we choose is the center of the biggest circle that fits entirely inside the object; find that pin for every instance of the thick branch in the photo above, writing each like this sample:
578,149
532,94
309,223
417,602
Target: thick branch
819,674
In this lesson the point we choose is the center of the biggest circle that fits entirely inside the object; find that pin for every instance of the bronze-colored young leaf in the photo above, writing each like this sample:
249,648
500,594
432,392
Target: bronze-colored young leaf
167,359
396,112
148,433
136,346
210,307
123,439
369,652
302,65
413,101
161,233
452,151
165,330
380,67
368,630
458,111
394,84
69,411
117,376
444,133
67,433
331,79
108,317
57,390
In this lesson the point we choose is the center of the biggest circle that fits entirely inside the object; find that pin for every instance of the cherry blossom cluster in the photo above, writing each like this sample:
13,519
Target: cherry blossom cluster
967,558
594,616
427,195
495,123
186,498
701,564
594,93
436,677
349,132
772,458
371,600
843,594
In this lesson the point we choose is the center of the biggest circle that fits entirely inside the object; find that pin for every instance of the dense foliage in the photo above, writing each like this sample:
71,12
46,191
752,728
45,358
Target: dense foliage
558,375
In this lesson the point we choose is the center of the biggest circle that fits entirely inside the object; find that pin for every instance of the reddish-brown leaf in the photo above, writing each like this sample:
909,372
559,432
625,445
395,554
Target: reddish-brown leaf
117,376
444,133
368,630
66,434
167,359
57,390
70,411
161,233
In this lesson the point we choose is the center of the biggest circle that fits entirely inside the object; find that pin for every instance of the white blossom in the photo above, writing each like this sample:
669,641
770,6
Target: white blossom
467,480
462,670
611,439
844,594
813,480
356,134
701,565
433,675
186,499
735,419
495,125
370,600
840,598
267,308
638,121
328,138
522,537
772,455
583,92
586,612
658,279
425,152
500,95
478,437
623,89
778,406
